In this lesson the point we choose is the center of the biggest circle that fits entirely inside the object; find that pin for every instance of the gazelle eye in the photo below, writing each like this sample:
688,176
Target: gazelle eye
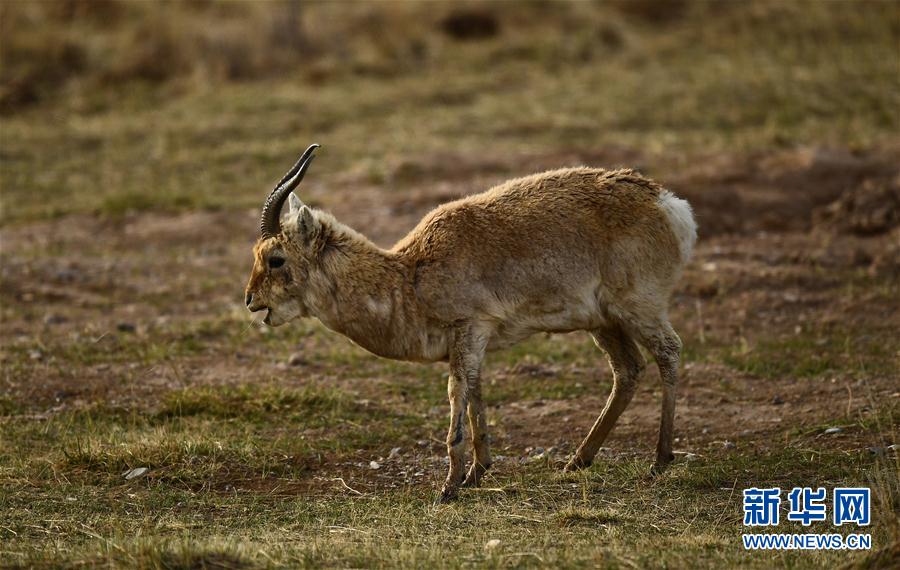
276,262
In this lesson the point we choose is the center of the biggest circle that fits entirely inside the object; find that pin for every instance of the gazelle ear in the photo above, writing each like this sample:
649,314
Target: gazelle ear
307,224
294,203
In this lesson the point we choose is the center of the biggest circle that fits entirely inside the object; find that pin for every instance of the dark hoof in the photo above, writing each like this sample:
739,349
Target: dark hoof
471,481
661,465
576,464
446,496
473,478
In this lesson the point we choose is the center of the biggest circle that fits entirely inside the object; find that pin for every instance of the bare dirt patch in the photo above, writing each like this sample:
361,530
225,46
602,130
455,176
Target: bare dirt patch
780,264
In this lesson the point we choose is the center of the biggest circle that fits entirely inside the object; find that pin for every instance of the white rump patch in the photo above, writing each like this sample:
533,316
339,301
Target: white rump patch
681,220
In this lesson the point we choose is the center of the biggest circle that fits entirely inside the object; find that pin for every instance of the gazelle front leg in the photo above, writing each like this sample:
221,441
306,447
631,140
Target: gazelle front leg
466,353
456,437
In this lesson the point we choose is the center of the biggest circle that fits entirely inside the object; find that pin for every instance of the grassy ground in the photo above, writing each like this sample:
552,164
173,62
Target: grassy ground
226,486
128,204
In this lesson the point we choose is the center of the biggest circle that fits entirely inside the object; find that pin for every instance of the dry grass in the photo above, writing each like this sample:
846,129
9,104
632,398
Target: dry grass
224,492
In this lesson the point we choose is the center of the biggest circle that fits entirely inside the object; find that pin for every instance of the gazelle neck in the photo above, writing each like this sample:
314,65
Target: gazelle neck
367,294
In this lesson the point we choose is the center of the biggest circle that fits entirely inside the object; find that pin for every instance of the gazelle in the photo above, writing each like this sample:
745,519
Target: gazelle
575,249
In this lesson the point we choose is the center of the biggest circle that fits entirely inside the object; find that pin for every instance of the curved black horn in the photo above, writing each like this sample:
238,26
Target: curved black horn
270,221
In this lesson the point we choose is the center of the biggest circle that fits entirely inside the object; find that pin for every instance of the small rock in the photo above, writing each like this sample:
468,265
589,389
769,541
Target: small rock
536,454
777,400
395,453
729,445
498,458
876,450
35,354
893,447
374,465
492,544
296,359
422,443
126,327
136,472
832,430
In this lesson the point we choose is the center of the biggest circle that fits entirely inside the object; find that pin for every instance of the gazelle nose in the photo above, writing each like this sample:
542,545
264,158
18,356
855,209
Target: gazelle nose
248,299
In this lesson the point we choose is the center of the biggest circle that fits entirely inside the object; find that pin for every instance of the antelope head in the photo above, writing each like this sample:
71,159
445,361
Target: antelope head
285,253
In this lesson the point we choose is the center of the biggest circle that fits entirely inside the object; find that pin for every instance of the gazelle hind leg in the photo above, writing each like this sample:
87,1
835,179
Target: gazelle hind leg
665,346
627,363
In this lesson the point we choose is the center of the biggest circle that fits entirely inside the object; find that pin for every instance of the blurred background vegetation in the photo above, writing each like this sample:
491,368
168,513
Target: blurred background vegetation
120,105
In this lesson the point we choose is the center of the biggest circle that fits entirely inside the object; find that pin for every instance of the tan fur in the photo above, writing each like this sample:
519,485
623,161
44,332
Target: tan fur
572,249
